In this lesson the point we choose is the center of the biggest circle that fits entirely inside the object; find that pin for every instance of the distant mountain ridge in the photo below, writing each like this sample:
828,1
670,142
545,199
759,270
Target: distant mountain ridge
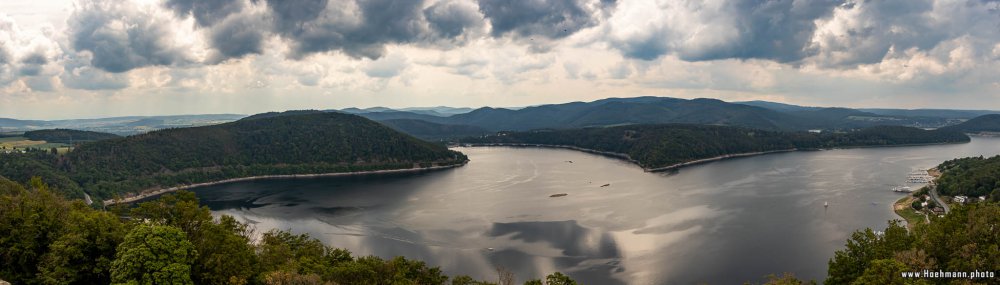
605,112
937,113
984,123
433,131
660,110
127,125
439,111
667,146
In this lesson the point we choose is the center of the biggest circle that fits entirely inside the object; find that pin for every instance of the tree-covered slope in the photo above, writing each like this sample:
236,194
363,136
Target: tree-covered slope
655,146
266,145
433,131
67,136
608,112
970,176
984,123
48,239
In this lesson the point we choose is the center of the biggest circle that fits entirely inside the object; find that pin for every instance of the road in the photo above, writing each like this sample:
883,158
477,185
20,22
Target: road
934,195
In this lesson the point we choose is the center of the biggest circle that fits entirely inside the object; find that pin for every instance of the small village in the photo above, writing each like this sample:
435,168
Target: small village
918,205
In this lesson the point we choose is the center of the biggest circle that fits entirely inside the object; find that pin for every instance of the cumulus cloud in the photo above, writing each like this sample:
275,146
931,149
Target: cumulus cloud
469,65
32,64
205,12
356,28
387,67
873,31
453,18
540,22
236,37
7,42
778,30
79,74
121,36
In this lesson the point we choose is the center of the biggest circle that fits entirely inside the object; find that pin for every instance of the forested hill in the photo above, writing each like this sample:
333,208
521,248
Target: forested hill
67,136
971,176
433,131
984,123
657,146
274,145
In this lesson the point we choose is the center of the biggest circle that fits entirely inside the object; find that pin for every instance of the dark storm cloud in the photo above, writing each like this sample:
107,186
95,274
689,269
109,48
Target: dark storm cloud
205,12
452,18
32,64
778,30
120,37
552,19
317,26
291,15
237,37
229,31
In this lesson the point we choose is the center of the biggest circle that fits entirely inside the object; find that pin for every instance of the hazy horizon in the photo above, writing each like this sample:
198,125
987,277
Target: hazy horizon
427,107
99,58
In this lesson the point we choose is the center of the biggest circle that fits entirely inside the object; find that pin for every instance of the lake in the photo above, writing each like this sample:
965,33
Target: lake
723,222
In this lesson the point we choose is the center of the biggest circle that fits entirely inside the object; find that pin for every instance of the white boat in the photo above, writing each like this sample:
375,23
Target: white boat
902,189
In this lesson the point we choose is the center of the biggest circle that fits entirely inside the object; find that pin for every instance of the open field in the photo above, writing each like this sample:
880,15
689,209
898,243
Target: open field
903,209
22,142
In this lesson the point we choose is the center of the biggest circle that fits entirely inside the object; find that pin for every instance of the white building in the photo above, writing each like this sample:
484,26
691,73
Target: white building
960,199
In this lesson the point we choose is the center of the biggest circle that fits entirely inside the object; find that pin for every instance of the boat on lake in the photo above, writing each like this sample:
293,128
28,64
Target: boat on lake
902,189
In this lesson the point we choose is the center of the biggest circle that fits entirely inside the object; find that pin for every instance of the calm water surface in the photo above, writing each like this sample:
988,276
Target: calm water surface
722,223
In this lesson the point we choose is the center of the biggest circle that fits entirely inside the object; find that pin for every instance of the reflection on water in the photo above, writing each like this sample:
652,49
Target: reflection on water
722,223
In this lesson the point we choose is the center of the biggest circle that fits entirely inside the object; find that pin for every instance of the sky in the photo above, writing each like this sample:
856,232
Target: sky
64,59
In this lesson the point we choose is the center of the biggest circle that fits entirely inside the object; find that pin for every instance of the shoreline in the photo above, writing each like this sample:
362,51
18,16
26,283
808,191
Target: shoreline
716,158
628,158
902,205
160,191
675,166
622,156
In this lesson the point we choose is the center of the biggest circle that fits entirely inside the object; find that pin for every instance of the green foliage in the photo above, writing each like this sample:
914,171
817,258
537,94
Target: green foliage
556,278
83,254
374,270
964,240
67,136
466,280
225,253
863,248
21,167
883,271
971,176
290,278
153,254
559,279
654,146
174,240
284,251
47,239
